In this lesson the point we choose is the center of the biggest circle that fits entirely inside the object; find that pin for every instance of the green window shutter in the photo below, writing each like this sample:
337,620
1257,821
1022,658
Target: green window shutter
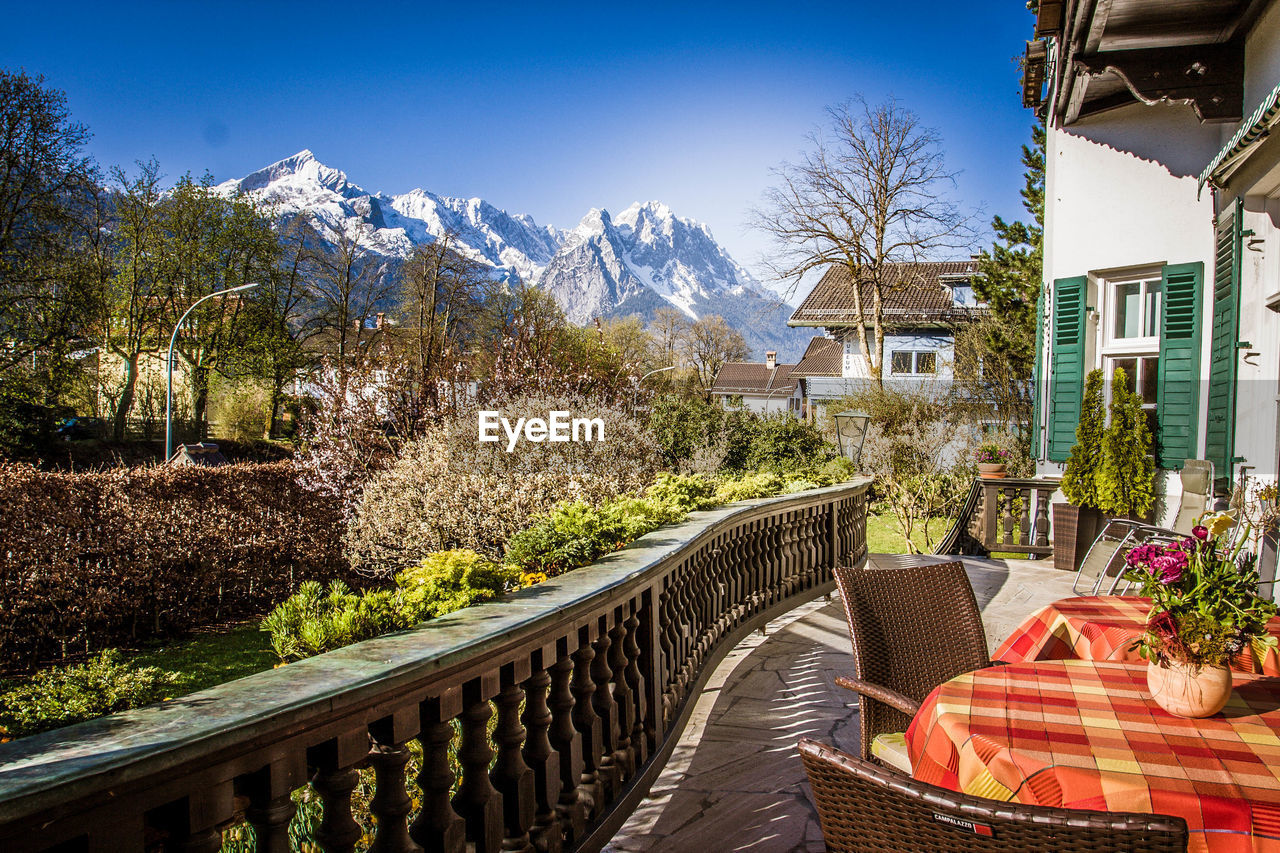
1036,406
1220,426
1066,366
1178,380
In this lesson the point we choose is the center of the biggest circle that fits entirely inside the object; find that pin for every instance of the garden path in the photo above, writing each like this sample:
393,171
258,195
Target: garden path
734,781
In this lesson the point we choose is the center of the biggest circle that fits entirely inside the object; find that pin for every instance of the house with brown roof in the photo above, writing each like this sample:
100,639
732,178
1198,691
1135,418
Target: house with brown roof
923,308
761,387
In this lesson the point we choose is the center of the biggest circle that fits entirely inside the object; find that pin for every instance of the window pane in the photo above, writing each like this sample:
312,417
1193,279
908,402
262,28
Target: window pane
1150,374
926,362
1155,297
901,362
1128,317
1130,367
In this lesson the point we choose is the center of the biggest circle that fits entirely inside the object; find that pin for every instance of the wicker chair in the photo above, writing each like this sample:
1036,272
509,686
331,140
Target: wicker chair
912,629
865,807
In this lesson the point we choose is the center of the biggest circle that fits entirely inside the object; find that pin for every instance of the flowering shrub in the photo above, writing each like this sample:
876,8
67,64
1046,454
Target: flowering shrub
1205,608
447,490
991,454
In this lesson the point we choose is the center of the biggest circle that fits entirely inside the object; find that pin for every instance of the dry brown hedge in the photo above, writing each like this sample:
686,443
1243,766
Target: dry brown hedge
101,559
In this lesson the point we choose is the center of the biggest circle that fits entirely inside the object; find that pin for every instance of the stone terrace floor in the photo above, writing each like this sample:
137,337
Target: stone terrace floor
734,782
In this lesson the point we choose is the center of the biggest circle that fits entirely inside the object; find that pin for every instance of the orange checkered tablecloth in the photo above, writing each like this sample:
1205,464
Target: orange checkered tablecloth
1086,734
1103,627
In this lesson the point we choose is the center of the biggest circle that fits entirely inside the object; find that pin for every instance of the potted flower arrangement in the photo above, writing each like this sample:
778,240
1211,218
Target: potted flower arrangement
991,459
1204,611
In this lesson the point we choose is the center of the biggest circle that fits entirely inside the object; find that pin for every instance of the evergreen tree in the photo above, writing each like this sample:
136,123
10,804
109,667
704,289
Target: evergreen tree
1080,480
1125,483
1011,274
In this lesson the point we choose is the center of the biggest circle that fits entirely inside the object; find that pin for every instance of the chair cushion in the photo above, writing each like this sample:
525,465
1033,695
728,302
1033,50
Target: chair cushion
891,748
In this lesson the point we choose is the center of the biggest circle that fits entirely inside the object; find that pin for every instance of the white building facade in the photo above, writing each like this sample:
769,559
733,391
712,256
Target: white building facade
1156,260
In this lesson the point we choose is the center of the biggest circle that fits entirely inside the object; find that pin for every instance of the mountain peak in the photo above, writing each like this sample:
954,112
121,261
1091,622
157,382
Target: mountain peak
303,166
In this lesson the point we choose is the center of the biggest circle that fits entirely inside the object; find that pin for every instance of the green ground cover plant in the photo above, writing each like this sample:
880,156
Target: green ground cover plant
62,695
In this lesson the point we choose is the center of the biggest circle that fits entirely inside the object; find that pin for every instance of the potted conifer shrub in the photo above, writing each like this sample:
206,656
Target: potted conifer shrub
1077,522
1126,482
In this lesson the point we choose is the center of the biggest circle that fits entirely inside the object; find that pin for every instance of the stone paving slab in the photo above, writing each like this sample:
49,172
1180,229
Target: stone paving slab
735,782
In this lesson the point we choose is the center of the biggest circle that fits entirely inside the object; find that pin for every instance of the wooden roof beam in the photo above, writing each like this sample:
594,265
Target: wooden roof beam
1208,77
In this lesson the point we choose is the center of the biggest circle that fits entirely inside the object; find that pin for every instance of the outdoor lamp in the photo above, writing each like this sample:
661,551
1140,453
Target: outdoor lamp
851,431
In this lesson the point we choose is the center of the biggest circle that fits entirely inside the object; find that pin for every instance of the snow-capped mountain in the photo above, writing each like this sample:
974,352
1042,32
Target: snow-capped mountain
642,259
393,225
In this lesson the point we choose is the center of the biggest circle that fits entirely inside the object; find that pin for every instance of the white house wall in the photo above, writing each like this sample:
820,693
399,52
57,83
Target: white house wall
1258,364
1121,192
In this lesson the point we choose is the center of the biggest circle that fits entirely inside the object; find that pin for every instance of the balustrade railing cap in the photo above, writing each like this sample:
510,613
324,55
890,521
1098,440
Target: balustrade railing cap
39,773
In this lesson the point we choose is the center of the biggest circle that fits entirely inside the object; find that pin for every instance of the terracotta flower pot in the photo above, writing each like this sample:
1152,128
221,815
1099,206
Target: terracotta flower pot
991,470
1187,691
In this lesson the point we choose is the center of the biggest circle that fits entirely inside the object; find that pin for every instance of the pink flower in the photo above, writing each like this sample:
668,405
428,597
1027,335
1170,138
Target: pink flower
1200,532
1169,567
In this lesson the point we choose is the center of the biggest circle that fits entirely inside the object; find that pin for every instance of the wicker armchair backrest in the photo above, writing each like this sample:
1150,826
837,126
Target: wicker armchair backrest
865,807
912,629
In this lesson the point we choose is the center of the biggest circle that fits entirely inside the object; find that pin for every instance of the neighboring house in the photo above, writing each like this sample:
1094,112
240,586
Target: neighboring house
922,310
761,387
817,376
1161,252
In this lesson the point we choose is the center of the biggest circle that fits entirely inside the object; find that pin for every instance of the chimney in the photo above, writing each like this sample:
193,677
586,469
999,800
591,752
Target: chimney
378,320
771,359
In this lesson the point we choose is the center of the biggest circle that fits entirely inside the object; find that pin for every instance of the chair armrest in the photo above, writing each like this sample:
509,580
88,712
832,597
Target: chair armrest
883,694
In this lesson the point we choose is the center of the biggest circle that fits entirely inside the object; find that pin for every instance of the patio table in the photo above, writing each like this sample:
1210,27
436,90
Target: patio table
1086,734
1104,627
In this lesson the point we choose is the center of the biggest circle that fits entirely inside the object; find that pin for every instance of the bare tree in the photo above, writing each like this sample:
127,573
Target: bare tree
669,330
712,343
867,196
442,298
134,300
347,284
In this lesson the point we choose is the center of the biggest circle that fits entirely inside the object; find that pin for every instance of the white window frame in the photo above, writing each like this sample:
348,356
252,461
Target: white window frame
1137,348
915,362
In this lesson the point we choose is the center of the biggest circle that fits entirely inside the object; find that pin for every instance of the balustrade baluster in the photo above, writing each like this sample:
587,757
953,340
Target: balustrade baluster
388,757
541,757
334,780
511,776
338,831
570,808
587,722
477,801
635,685
271,805
623,699
438,828
1042,517
667,646
1024,517
609,772
1006,519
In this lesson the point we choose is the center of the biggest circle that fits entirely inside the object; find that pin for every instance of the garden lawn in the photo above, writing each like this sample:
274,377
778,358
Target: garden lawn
213,657
883,536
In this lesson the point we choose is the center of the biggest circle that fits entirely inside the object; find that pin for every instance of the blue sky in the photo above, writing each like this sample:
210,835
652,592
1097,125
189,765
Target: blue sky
548,109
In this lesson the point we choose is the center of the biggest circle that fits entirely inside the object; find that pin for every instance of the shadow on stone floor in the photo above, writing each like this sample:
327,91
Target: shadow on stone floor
735,782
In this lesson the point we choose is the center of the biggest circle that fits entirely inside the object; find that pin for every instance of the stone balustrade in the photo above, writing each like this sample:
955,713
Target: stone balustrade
591,677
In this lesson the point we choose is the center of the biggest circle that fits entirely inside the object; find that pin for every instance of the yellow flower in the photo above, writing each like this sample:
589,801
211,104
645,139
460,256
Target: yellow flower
1219,524
531,578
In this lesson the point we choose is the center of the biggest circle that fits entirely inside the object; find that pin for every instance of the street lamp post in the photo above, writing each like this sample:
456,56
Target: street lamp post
173,339
851,431
635,401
